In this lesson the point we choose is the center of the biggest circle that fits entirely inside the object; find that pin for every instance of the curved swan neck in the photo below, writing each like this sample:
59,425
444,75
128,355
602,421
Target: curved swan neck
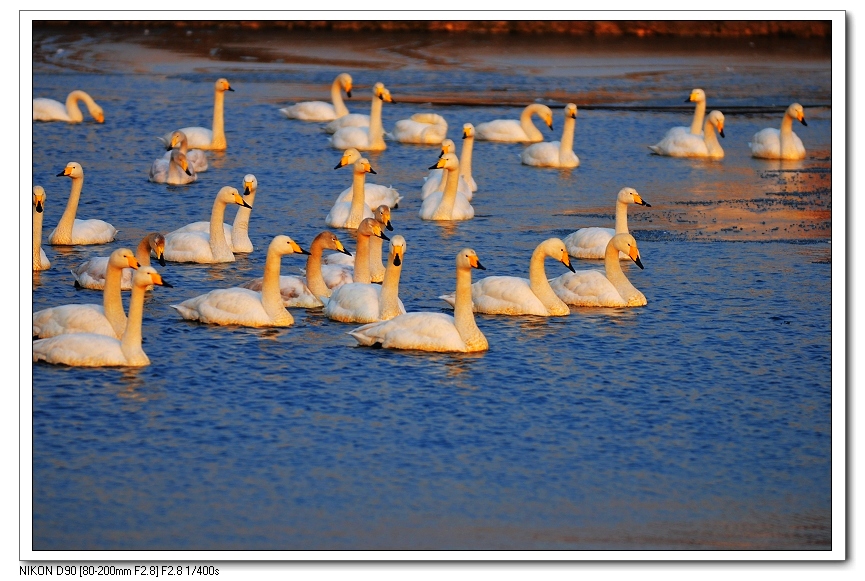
786,136
541,286
218,120
614,272
72,108
176,174
375,255
336,98
527,125
464,318
112,303
271,298
699,115
37,238
567,144
218,246
449,197
314,279
361,260
240,227
63,232
355,213
710,138
130,342
388,300
142,252
621,217
466,158
376,130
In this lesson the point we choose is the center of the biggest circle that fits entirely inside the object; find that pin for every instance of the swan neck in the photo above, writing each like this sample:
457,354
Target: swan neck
615,275
388,300
218,120
218,246
271,298
355,213
710,138
449,197
699,115
541,286
361,260
240,227
142,253
621,218
375,255
72,108
466,158
567,145
526,123
37,238
176,175
112,303
130,342
336,98
63,232
464,318
376,131
314,279
786,137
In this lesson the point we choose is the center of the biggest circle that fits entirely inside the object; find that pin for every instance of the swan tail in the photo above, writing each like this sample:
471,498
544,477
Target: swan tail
655,149
449,299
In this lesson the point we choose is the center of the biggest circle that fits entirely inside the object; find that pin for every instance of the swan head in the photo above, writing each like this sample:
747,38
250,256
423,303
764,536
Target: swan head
250,184
371,227
72,170
98,114
329,240
179,158
382,216
222,85
797,112
448,146
123,258
716,120
630,196
397,250
547,115
571,111
229,195
697,96
177,141
146,276
625,243
156,241
447,161
39,198
362,166
283,245
468,131
555,248
350,155
468,259
345,82
379,90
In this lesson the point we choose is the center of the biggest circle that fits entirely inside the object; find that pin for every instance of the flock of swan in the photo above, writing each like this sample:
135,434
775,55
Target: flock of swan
347,287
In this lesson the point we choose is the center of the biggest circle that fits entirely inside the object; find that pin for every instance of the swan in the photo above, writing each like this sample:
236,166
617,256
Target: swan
304,292
40,261
433,331
201,137
358,302
682,144
512,130
450,204
91,274
319,110
242,306
373,194
511,295
71,230
92,350
349,214
592,242
51,110
771,143
338,269
365,138
177,172
434,182
422,128
205,247
105,319
196,157
592,288
697,96
555,153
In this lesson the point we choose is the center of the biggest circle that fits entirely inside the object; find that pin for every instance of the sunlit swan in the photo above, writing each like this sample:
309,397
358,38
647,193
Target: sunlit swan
366,302
51,110
196,157
511,295
373,194
71,230
91,350
319,110
349,214
365,138
304,292
682,144
105,319
91,273
433,331
697,96
592,242
593,288
338,269
242,306
201,137
512,130
435,182
450,204
176,172
40,261
784,144
205,247
422,128
555,153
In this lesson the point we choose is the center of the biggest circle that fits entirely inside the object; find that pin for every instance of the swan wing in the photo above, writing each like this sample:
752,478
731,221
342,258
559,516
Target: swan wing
423,132
293,290
188,247
545,154
350,120
356,137
336,275
310,111
374,195
91,274
230,306
69,319
422,331
766,143
354,303
92,231
681,144
80,350
339,214
338,258
49,110
204,227
196,137
501,130
587,288
588,242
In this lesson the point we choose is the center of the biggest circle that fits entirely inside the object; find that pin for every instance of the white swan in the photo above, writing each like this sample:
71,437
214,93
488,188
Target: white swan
433,331
555,153
91,350
511,295
205,247
697,96
304,292
242,306
91,273
196,157
592,242
450,204
373,194
337,269
511,130
682,144
105,319
51,110
40,261
71,230
367,302
592,288
365,138
349,214
201,137
319,110
435,182
771,143
176,172
422,128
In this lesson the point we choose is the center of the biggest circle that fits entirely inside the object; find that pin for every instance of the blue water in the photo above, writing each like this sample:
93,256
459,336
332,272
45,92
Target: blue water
701,421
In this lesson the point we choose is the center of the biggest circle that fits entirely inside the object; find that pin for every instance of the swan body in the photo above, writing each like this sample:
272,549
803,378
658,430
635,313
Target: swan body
682,144
350,120
555,153
242,306
511,130
71,230
91,350
369,138
40,261
205,247
697,96
350,214
592,242
51,110
202,137
319,110
196,157
421,128
106,319
433,331
91,273
592,288
338,268
435,182
771,143
511,295
176,172
450,204
374,195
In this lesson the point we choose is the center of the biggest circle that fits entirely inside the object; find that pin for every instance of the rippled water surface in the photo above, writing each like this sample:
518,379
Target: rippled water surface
701,421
